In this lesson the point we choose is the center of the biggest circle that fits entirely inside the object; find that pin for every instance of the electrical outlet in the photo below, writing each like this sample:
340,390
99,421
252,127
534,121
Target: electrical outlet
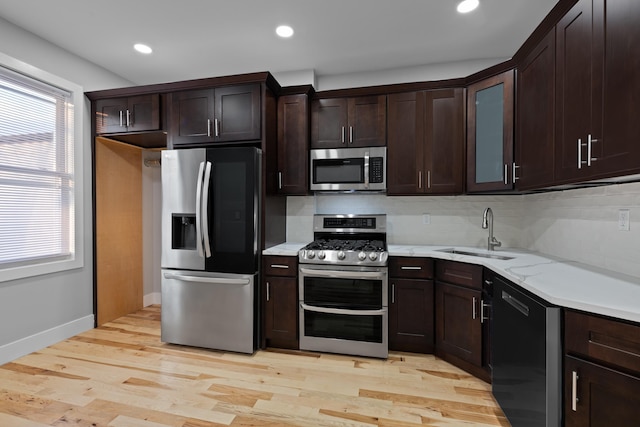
623,220
426,219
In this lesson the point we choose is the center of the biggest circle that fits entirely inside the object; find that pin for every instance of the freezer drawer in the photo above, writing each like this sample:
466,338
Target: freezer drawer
210,310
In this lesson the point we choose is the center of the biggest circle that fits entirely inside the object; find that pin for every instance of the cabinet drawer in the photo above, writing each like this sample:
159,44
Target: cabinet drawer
613,342
459,273
280,265
411,267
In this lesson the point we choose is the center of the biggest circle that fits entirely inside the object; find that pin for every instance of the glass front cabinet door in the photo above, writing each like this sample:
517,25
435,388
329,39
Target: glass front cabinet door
490,164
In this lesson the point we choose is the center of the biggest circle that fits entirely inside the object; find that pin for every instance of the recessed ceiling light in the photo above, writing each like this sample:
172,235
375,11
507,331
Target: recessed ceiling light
466,6
142,48
284,31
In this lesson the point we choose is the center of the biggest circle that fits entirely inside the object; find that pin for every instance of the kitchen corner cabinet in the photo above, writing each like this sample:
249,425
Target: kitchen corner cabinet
411,304
349,122
458,303
293,144
602,371
129,114
490,117
222,114
280,299
598,87
535,101
425,153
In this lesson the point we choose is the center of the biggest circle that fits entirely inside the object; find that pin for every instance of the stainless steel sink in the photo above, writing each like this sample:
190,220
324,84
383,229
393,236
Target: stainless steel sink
480,254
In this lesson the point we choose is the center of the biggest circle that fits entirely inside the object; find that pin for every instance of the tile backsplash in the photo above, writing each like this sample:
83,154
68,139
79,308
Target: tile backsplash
577,224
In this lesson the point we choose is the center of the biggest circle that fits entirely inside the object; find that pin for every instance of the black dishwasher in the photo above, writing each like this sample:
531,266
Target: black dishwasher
526,356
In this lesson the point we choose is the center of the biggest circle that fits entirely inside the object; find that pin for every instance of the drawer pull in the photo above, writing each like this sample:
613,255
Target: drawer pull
574,391
410,268
279,266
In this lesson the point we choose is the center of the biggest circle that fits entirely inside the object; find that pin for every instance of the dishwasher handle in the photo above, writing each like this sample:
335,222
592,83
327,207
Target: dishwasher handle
515,303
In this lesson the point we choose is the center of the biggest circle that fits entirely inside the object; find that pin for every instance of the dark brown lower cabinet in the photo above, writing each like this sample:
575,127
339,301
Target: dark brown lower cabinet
603,397
458,327
281,312
601,371
411,315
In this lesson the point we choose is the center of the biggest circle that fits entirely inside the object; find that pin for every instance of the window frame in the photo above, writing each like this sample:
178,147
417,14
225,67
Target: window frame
76,260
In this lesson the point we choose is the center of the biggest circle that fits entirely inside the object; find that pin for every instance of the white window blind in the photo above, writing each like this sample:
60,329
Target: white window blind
36,172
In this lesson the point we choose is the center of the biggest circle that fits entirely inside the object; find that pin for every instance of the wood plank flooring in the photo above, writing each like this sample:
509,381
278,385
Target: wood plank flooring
122,375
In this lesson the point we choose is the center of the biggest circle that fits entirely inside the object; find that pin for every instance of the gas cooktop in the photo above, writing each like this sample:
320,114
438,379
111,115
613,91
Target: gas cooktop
347,240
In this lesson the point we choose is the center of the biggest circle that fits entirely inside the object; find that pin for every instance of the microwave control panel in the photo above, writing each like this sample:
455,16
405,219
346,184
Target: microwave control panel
376,173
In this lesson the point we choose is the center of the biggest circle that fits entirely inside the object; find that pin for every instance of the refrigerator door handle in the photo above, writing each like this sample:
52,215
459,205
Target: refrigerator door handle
200,279
205,211
198,209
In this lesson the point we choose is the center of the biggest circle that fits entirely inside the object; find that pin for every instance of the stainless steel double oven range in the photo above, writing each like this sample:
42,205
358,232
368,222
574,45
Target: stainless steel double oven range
343,286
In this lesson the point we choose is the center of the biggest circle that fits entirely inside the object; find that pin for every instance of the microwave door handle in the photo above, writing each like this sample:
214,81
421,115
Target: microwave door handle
198,210
326,310
366,170
205,210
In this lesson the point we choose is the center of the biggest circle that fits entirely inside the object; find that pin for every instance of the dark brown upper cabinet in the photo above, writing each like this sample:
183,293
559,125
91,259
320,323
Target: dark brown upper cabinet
490,164
293,144
535,102
223,114
348,122
425,140
129,114
597,90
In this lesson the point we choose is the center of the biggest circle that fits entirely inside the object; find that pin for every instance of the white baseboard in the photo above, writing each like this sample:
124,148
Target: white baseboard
35,342
152,298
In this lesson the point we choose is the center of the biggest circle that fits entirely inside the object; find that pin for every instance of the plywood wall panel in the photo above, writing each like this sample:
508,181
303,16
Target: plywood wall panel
118,229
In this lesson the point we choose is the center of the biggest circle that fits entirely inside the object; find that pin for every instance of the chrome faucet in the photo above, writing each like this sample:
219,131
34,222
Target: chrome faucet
487,222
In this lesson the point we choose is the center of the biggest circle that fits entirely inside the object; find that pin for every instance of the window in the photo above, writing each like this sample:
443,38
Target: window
38,177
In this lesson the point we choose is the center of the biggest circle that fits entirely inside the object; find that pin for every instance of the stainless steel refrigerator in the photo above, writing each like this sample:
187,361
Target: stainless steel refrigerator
210,247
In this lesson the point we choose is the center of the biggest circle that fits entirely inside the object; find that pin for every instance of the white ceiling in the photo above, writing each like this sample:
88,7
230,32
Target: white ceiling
207,38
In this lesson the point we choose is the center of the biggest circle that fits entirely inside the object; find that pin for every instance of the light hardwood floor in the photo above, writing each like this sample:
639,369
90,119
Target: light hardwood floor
122,375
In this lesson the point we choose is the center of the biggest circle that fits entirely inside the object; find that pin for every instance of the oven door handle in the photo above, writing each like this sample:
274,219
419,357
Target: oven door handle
343,274
343,311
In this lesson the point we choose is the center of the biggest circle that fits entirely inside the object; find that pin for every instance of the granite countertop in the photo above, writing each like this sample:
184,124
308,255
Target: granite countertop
561,282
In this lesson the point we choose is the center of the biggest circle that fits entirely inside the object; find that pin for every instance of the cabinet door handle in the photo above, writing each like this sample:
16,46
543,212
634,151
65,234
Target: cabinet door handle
343,134
474,314
429,179
208,128
488,282
420,179
574,391
579,153
279,180
121,119
350,134
393,293
514,176
268,293
506,174
589,143
216,125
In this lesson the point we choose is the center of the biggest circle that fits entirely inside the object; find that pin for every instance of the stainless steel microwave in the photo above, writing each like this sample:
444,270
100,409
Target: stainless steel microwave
349,169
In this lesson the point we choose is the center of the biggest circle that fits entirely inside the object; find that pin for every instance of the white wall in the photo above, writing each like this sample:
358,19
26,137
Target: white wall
582,225
151,228
454,220
579,224
38,311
